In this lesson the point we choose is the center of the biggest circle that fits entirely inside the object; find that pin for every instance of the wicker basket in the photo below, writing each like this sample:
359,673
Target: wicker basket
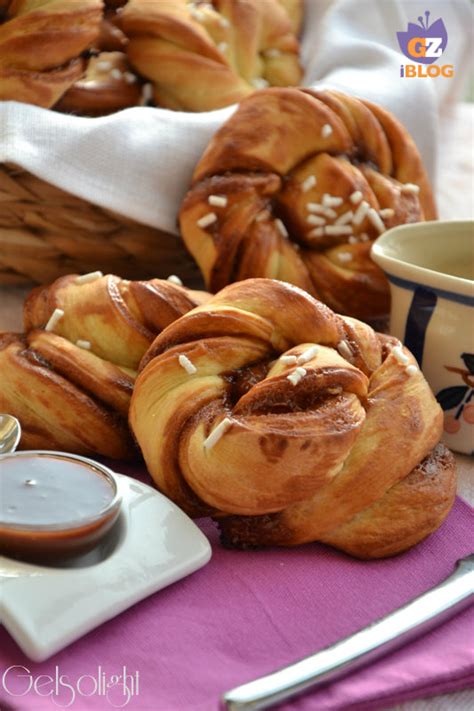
46,232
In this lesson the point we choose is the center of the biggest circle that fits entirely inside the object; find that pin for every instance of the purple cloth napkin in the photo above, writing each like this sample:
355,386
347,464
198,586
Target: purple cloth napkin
247,613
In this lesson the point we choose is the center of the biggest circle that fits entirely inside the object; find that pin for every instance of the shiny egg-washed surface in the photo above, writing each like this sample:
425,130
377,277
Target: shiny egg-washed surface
70,386
295,425
307,180
41,47
93,58
201,56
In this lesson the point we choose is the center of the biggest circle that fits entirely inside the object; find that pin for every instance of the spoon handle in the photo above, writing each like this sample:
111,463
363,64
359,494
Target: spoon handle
415,618
10,434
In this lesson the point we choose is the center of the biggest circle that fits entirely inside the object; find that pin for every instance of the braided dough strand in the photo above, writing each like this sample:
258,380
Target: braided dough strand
69,378
41,42
201,56
292,423
308,180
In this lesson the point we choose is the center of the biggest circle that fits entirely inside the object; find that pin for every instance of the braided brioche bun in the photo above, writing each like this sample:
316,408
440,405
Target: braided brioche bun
289,424
41,43
295,186
108,85
201,56
69,378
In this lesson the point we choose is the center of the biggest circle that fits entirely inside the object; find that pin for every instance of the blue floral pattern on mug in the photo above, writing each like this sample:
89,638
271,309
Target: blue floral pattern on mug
458,397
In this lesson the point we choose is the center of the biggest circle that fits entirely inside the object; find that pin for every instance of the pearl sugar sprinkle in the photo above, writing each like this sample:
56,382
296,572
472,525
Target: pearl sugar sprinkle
104,66
287,359
307,355
259,83
281,228
54,318
344,350
272,52
90,276
315,220
326,130
331,200
400,356
356,197
338,230
410,188
296,375
361,212
185,363
308,183
217,200
147,92
217,433
321,210
207,220
345,218
376,220
344,257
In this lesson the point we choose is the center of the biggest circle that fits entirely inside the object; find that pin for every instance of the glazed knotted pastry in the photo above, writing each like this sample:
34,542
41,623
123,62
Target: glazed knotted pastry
295,186
290,424
41,47
204,55
69,378
108,85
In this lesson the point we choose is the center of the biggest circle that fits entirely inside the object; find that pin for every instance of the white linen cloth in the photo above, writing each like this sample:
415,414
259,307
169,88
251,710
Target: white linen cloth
139,162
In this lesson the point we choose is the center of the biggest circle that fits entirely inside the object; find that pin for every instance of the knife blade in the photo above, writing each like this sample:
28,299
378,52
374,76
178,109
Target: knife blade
417,617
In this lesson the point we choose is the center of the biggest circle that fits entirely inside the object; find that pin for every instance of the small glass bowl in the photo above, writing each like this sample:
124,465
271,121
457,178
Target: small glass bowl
57,541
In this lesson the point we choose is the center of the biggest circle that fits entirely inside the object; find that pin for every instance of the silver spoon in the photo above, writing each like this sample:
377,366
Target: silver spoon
10,433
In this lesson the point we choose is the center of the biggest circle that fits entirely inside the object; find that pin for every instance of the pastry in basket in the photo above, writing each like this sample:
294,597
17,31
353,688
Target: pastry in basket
204,55
108,85
289,424
69,378
41,47
295,186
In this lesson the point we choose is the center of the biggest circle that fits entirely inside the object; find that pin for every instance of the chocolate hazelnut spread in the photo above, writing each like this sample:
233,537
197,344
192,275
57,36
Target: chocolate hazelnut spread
53,505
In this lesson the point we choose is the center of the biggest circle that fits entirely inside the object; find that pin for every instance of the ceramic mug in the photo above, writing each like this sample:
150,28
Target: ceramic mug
430,268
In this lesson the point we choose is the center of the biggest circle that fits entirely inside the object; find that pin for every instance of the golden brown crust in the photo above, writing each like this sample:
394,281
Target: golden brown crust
39,88
203,56
108,85
405,515
198,56
71,387
111,37
118,317
41,43
310,179
294,424
59,392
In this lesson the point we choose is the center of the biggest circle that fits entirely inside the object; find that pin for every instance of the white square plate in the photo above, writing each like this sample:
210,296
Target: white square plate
152,545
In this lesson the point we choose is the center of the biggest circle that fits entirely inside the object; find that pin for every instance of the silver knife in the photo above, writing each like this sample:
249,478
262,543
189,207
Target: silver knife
415,618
